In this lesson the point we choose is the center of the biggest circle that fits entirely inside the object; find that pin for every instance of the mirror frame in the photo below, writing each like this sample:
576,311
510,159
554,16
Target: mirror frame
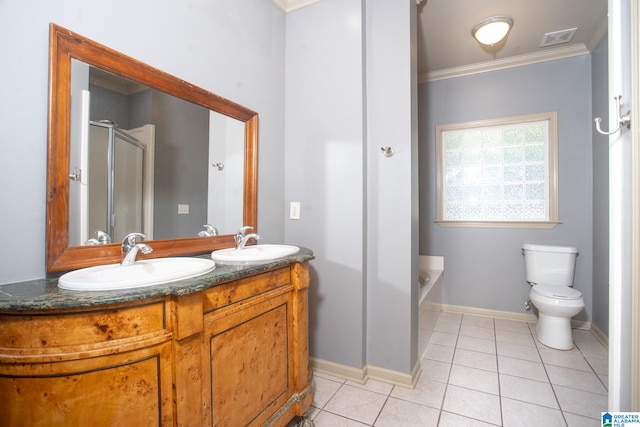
65,45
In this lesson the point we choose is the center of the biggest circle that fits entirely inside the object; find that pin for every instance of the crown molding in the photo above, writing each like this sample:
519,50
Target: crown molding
598,33
291,5
501,64
282,4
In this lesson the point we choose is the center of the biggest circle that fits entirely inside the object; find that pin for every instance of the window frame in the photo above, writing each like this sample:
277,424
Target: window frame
551,178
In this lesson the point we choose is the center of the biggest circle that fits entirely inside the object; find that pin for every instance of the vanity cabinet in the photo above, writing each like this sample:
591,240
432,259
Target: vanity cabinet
235,353
106,366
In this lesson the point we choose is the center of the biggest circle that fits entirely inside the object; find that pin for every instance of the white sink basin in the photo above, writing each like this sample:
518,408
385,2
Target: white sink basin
253,254
141,273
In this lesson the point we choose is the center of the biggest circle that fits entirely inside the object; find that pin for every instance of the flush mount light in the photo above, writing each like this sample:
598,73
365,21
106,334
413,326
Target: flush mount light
491,30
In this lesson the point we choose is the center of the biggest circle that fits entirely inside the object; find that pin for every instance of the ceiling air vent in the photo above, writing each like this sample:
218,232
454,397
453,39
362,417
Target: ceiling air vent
558,37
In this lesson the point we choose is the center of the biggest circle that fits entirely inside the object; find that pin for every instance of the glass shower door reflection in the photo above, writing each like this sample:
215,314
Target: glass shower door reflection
97,180
116,181
128,188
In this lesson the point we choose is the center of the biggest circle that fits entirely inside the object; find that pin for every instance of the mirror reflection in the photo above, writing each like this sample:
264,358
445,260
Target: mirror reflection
142,160
132,148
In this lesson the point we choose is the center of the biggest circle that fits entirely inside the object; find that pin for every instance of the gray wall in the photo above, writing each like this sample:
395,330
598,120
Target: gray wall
109,105
325,170
484,266
350,90
601,101
181,166
392,185
231,48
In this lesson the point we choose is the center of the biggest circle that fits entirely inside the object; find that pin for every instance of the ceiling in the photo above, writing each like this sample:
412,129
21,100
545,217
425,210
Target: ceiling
447,49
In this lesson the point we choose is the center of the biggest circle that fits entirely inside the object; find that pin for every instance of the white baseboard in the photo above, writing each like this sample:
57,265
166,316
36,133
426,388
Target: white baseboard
346,372
361,375
581,324
509,315
601,336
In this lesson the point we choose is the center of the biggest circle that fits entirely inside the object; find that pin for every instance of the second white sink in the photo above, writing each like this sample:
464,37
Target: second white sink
253,254
141,273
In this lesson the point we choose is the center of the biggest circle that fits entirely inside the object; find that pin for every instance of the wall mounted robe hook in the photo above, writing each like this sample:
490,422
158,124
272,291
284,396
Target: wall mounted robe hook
76,175
388,151
622,120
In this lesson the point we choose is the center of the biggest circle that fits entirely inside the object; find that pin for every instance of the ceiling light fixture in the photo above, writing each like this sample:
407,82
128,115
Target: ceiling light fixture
491,30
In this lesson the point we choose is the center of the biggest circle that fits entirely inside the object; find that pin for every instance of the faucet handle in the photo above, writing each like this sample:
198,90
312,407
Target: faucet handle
242,231
103,237
210,230
130,240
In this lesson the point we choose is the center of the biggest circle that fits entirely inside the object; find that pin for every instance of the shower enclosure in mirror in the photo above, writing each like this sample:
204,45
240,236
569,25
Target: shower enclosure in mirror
172,157
199,158
107,194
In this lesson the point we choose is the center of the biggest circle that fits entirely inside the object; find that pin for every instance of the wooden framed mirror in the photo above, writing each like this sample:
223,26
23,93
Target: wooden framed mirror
67,47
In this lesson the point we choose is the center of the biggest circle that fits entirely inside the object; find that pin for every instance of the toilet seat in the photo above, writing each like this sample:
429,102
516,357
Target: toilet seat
561,292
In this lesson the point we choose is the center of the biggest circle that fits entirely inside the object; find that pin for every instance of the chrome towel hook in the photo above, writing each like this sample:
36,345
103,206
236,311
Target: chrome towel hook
387,151
622,120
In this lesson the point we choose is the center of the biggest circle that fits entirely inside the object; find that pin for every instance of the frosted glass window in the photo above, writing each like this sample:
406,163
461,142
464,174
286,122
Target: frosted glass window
500,172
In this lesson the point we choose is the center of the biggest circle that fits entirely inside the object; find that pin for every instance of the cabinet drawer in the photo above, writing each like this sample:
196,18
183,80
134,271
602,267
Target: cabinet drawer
55,329
233,292
125,389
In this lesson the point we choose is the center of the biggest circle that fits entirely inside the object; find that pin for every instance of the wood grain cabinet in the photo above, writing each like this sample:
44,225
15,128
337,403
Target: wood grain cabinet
235,354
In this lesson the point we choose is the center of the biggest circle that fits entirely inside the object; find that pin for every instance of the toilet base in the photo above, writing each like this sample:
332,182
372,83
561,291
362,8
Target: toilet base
554,332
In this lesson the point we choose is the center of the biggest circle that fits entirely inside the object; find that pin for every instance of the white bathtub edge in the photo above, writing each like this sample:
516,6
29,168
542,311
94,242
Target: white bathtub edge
430,262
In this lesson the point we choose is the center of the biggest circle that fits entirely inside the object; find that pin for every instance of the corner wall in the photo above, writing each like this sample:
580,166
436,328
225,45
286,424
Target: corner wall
392,185
351,88
324,158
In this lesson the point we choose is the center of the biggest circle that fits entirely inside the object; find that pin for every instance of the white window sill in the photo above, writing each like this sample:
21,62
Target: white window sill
499,224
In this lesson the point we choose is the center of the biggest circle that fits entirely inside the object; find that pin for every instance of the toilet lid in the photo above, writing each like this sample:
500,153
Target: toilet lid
564,292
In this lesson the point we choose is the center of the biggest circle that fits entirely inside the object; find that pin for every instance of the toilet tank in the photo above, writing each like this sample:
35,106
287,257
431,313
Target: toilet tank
549,264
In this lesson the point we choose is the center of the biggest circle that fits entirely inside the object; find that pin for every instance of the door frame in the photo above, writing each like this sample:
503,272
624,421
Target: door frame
624,210
635,195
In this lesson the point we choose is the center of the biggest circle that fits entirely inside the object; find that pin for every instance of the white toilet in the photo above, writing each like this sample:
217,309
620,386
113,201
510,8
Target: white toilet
549,270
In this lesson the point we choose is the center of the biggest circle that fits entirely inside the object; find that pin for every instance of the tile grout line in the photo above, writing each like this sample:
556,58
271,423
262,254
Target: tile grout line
453,356
495,344
546,372
328,400
382,407
606,386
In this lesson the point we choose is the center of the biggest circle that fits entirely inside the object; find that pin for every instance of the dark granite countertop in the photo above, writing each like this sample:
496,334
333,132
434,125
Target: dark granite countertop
44,294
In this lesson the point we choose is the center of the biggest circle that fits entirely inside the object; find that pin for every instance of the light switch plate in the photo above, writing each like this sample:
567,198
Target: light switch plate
294,210
183,209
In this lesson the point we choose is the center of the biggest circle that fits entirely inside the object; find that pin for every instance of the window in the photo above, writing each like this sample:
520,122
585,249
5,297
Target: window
498,173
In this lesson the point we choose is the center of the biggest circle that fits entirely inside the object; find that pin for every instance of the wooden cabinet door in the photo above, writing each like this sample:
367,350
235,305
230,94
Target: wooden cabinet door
249,363
127,389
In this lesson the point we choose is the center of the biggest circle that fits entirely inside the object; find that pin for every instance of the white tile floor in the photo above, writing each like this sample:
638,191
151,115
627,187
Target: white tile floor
478,371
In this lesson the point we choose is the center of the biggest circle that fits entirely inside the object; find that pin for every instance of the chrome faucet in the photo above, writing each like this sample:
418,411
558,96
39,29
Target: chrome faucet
102,238
209,230
242,237
130,248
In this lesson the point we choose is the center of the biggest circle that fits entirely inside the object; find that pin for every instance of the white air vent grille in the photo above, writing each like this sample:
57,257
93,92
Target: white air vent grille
558,37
